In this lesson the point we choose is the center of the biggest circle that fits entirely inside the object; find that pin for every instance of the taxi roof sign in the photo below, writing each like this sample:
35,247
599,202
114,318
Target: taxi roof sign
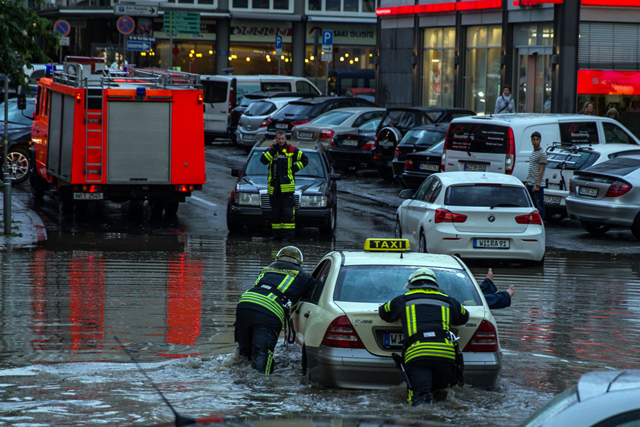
386,245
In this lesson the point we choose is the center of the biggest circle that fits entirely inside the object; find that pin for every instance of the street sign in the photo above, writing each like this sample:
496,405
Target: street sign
134,10
327,37
125,25
65,41
326,57
63,27
327,45
181,22
278,45
144,39
138,46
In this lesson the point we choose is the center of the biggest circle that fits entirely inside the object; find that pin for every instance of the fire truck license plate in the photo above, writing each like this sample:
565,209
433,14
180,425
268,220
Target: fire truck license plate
88,196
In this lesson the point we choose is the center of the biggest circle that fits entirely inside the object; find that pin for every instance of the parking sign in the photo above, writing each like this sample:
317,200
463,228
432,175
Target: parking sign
278,45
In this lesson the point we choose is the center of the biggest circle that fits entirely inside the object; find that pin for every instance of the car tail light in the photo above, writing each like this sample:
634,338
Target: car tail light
333,143
484,339
408,165
618,188
326,133
445,215
397,152
300,122
442,161
266,122
532,218
510,159
369,145
231,103
340,333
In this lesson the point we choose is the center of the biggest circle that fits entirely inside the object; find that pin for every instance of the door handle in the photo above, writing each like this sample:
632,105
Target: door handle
307,314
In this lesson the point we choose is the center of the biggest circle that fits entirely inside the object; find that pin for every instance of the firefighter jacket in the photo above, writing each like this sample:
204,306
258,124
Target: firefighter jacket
278,284
282,165
426,316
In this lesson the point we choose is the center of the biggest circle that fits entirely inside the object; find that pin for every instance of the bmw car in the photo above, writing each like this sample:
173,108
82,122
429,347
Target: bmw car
344,342
472,215
316,193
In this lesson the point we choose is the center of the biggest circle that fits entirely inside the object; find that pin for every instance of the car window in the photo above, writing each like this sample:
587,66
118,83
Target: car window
276,87
302,86
314,168
292,109
320,274
615,134
579,132
245,88
256,168
478,195
381,283
623,153
625,419
422,137
365,117
432,193
214,91
478,138
572,160
370,126
332,118
261,108
16,116
424,188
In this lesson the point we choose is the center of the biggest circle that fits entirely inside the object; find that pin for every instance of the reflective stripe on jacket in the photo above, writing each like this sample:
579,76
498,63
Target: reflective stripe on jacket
282,166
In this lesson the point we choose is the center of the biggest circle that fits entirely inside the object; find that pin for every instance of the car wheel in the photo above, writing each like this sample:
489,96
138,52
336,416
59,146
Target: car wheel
384,172
422,246
330,227
18,163
233,226
595,228
537,263
555,216
635,228
398,232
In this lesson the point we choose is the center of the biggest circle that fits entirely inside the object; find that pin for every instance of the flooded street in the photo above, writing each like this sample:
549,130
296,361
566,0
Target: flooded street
168,291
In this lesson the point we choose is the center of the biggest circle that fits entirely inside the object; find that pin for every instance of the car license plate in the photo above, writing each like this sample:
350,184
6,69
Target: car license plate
552,200
586,191
393,340
246,137
475,167
88,196
282,126
350,143
429,167
305,134
490,244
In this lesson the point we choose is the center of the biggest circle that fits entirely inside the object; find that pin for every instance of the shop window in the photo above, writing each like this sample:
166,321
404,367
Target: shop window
438,66
482,75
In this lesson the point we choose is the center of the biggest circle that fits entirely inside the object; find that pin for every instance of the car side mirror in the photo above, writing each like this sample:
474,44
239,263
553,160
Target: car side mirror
235,172
335,176
407,193
22,101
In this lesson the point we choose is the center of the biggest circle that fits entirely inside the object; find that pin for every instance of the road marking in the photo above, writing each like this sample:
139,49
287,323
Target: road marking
198,199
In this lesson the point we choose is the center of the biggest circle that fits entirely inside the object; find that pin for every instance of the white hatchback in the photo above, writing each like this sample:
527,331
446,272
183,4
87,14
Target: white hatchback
472,215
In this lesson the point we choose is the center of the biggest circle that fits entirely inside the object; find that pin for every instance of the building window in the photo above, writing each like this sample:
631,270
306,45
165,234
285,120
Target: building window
263,5
482,75
343,6
438,75
208,3
533,45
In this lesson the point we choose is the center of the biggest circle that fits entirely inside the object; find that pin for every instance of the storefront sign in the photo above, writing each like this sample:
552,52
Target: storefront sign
346,34
608,82
258,33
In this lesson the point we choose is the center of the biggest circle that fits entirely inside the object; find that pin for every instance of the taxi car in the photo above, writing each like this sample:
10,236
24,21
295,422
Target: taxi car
472,215
345,344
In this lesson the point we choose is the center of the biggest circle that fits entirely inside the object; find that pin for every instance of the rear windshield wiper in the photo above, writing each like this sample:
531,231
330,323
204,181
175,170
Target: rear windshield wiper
506,205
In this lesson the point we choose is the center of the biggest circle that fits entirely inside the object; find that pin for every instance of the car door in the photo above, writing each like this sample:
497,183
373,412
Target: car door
217,93
308,316
414,211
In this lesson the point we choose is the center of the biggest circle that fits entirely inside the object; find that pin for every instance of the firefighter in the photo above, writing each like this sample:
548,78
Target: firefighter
284,161
267,306
429,356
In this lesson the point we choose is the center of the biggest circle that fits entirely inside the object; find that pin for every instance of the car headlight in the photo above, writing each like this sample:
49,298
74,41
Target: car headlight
313,202
247,199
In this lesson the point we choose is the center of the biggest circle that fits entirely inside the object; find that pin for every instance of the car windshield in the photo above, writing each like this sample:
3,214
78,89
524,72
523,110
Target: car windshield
423,137
381,283
297,110
332,118
407,119
16,116
260,108
437,148
491,196
313,169
571,160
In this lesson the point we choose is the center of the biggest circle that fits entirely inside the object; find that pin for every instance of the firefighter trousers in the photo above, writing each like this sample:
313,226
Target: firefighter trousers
283,223
257,335
427,377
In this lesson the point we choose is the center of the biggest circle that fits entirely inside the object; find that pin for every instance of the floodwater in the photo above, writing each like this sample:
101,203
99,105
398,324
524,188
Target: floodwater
170,298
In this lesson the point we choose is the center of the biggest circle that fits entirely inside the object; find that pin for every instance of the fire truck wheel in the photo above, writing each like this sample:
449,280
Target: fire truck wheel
38,185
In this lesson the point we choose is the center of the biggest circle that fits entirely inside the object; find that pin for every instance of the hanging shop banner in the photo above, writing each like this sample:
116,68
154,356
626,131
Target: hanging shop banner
608,82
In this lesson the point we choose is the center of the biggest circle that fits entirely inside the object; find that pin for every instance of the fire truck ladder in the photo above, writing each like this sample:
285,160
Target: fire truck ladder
94,137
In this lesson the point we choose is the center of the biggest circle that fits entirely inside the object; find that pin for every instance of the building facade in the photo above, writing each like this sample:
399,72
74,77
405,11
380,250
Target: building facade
555,54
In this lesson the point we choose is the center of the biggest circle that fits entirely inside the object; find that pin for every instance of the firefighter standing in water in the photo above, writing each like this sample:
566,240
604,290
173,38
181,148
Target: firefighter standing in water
267,306
284,161
426,314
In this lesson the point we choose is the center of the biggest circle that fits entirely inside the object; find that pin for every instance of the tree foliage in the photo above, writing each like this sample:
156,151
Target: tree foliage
21,32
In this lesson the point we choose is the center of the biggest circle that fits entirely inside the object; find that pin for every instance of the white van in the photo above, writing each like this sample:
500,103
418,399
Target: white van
502,143
223,93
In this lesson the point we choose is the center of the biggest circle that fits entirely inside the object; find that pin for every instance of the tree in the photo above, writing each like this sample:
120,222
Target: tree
21,30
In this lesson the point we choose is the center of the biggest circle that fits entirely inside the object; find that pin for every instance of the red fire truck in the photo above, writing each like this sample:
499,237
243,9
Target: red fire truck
120,136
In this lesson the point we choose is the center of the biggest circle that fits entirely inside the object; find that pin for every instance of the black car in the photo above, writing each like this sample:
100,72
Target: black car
396,122
19,137
301,111
417,139
420,164
316,193
352,151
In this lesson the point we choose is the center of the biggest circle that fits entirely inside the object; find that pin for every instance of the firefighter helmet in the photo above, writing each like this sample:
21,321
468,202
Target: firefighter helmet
422,278
290,254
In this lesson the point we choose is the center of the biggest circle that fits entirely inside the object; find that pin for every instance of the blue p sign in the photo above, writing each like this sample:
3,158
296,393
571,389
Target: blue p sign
278,42
327,37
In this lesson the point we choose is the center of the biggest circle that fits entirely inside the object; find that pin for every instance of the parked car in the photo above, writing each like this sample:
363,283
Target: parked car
396,122
346,344
325,126
607,195
472,215
302,111
19,137
367,93
316,194
420,164
252,126
352,151
600,398
563,160
417,139
503,143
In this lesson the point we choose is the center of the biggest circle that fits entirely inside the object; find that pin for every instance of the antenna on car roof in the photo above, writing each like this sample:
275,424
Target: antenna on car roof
181,420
